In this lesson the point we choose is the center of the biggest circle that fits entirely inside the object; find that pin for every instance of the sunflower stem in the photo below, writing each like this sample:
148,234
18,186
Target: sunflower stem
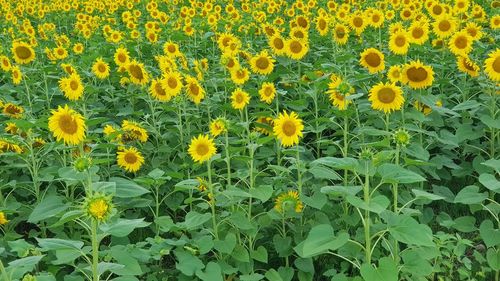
251,154
395,203
95,251
283,229
228,157
299,174
366,197
212,199
278,148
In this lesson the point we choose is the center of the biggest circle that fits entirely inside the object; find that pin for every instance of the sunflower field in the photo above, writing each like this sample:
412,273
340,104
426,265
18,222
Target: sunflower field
222,140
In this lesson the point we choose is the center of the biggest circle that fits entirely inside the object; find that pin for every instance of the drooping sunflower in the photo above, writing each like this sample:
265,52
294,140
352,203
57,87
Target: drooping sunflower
137,72
157,90
492,65
22,52
288,201
173,83
12,110
202,148
277,44
16,74
373,60
239,99
121,57
262,63
217,127
67,125
240,75
468,66
460,43
417,75
130,159
267,92
386,97
296,48
194,90
399,42
72,86
133,131
288,128
100,68
341,33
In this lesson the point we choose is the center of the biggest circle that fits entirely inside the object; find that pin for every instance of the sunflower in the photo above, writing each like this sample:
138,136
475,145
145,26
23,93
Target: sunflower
376,18
121,57
399,43
133,131
173,83
444,26
5,63
138,75
267,92
9,146
60,53
12,110
322,25
262,63
417,75
23,53
98,207
78,48
100,68
194,90
394,73
460,43
373,60
358,23
288,201
277,44
130,159
157,90
474,30
466,65
202,148
67,125
3,218
492,65
264,125
419,32
239,99
296,49
171,49
240,75
386,97
341,33
339,99
68,68
288,128
72,87
217,127
16,74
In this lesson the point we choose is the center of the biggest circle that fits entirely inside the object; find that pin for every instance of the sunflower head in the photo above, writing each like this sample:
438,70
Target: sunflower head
288,128
22,52
288,202
386,97
373,60
202,148
218,126
130,159
401,137
3,218
98,207
239,99
417,75
82,163
67,125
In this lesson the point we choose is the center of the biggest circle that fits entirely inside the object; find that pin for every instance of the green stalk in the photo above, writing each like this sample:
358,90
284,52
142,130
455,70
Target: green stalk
212,199
251,154
299,174
283,227
366,195
395,204
228,158
5,276
346,145
95,251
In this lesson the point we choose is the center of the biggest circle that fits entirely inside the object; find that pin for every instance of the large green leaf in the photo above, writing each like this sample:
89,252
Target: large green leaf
127,188
50,206
122,227
392,173
387,270
470,195
212,272
194,220
187,263
489,234
407,230
320,239
377,204
490,182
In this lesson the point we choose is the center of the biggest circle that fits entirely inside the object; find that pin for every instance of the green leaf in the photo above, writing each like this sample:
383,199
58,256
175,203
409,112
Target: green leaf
260,254
377,204
251,277
262,192
465,224
51,244
490,182
108,266
122,227
387,271
337,163
194,220
50,206
322,172
407,230
240,253
130,265
470,195
392,173
18,268
187,263
127,188
273,275
341,190
415,264
211,273
320,239
421,194
21,247
493,258
489,234
493,163
226,246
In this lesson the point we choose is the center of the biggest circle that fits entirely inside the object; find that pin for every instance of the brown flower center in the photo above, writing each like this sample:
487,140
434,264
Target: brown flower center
386,95
68,124
289,128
